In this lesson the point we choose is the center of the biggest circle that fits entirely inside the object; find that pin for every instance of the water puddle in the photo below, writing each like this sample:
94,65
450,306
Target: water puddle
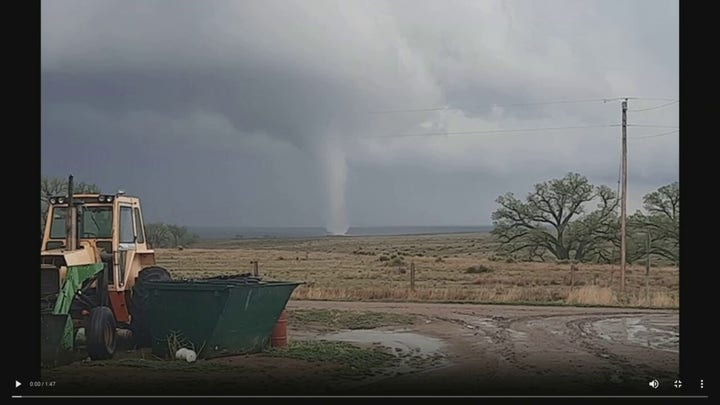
417,353
658,336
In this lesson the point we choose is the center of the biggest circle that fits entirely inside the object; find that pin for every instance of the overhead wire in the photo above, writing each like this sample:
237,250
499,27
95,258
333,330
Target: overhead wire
448,108
655,136
532,103
656,107
493,131
653,126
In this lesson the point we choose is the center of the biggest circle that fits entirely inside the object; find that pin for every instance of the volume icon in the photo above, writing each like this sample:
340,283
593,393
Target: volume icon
654,383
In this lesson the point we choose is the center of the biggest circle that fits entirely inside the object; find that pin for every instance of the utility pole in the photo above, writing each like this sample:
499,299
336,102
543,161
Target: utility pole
647,266
623,203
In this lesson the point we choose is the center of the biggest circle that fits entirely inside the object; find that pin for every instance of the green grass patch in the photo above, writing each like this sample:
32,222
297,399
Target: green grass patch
353,360
142,365
333,319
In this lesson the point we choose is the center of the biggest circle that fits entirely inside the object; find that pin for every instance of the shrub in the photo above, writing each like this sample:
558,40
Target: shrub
478,269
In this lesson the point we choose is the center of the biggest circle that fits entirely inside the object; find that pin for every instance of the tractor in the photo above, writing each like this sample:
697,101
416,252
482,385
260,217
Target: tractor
94,261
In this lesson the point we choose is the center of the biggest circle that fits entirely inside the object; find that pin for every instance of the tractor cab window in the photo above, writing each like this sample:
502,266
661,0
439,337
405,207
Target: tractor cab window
93,223
96,223
127,233
57,227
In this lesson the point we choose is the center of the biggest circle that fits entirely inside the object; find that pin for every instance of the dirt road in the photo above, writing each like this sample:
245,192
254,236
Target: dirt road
502,349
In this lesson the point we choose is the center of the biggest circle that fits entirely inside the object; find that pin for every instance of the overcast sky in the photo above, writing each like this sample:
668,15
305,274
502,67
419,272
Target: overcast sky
275,113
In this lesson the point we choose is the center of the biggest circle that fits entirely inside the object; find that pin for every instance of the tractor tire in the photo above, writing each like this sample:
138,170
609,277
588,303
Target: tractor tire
100,333
139,301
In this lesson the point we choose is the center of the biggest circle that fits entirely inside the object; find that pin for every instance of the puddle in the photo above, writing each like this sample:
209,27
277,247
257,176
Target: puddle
658,335
396,340
485,323
418,353
517,335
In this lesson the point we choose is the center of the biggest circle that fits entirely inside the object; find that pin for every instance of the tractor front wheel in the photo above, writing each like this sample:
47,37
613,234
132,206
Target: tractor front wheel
100,333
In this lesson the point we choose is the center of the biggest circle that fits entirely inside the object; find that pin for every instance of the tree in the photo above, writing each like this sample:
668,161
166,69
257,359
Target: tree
53,186
166,235
552,220
157,234
662,222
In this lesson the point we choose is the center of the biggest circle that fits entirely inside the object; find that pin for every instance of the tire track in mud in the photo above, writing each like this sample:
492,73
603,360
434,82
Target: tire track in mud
580,335
507,332
489,345
613,351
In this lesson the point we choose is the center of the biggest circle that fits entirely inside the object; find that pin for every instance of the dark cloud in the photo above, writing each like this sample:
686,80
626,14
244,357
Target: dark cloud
259,112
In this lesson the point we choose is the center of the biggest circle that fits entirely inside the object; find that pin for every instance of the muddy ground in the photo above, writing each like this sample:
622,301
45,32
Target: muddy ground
448,349
520,349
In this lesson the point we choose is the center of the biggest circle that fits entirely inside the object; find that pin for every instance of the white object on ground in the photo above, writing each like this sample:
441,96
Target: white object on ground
190,356
180,354
186,354
80,336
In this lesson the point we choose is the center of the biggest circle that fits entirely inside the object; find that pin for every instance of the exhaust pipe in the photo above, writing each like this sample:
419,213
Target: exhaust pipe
71,220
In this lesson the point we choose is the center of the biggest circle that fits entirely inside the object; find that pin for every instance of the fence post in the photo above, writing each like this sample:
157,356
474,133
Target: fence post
412,276
256,271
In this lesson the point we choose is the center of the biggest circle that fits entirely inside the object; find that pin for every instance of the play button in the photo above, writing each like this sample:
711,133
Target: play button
17,383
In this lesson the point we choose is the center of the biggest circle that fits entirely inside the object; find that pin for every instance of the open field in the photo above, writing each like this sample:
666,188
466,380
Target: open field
449,268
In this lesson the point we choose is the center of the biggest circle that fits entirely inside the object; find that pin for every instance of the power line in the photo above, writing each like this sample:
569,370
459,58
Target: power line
649,99
653,126
656,135
448,108
656,107
492,131
578,101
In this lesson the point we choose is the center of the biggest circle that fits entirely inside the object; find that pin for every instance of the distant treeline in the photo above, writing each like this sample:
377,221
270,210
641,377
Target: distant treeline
161,235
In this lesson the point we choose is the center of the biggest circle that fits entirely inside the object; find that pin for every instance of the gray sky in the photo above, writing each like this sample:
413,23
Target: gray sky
264,113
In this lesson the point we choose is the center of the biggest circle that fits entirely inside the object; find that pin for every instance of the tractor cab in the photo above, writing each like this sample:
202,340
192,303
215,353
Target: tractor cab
108,229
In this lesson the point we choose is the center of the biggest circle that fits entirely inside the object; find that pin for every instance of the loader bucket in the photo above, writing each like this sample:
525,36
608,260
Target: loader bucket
215,317
57,334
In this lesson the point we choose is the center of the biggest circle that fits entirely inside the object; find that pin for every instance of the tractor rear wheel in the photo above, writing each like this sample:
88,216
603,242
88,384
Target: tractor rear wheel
100,333
139,302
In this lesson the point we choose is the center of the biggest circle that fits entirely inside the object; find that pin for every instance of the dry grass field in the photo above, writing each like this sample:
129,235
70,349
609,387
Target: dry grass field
448,268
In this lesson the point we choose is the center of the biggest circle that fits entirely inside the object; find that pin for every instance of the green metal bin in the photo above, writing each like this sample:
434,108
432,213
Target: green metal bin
218,317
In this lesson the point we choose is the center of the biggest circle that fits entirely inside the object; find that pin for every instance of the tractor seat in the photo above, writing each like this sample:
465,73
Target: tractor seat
107,259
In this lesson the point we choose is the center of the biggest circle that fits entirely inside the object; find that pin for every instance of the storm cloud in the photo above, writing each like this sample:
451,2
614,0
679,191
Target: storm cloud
285,113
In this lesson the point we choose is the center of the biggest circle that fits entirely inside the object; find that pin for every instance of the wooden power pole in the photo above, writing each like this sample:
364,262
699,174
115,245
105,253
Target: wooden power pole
623,203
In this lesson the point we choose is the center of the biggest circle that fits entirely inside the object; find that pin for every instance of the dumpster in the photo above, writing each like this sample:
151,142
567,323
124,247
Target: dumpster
215,317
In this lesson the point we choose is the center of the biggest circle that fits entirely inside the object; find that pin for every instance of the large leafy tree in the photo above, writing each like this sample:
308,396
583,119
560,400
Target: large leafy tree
553,220
661,220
